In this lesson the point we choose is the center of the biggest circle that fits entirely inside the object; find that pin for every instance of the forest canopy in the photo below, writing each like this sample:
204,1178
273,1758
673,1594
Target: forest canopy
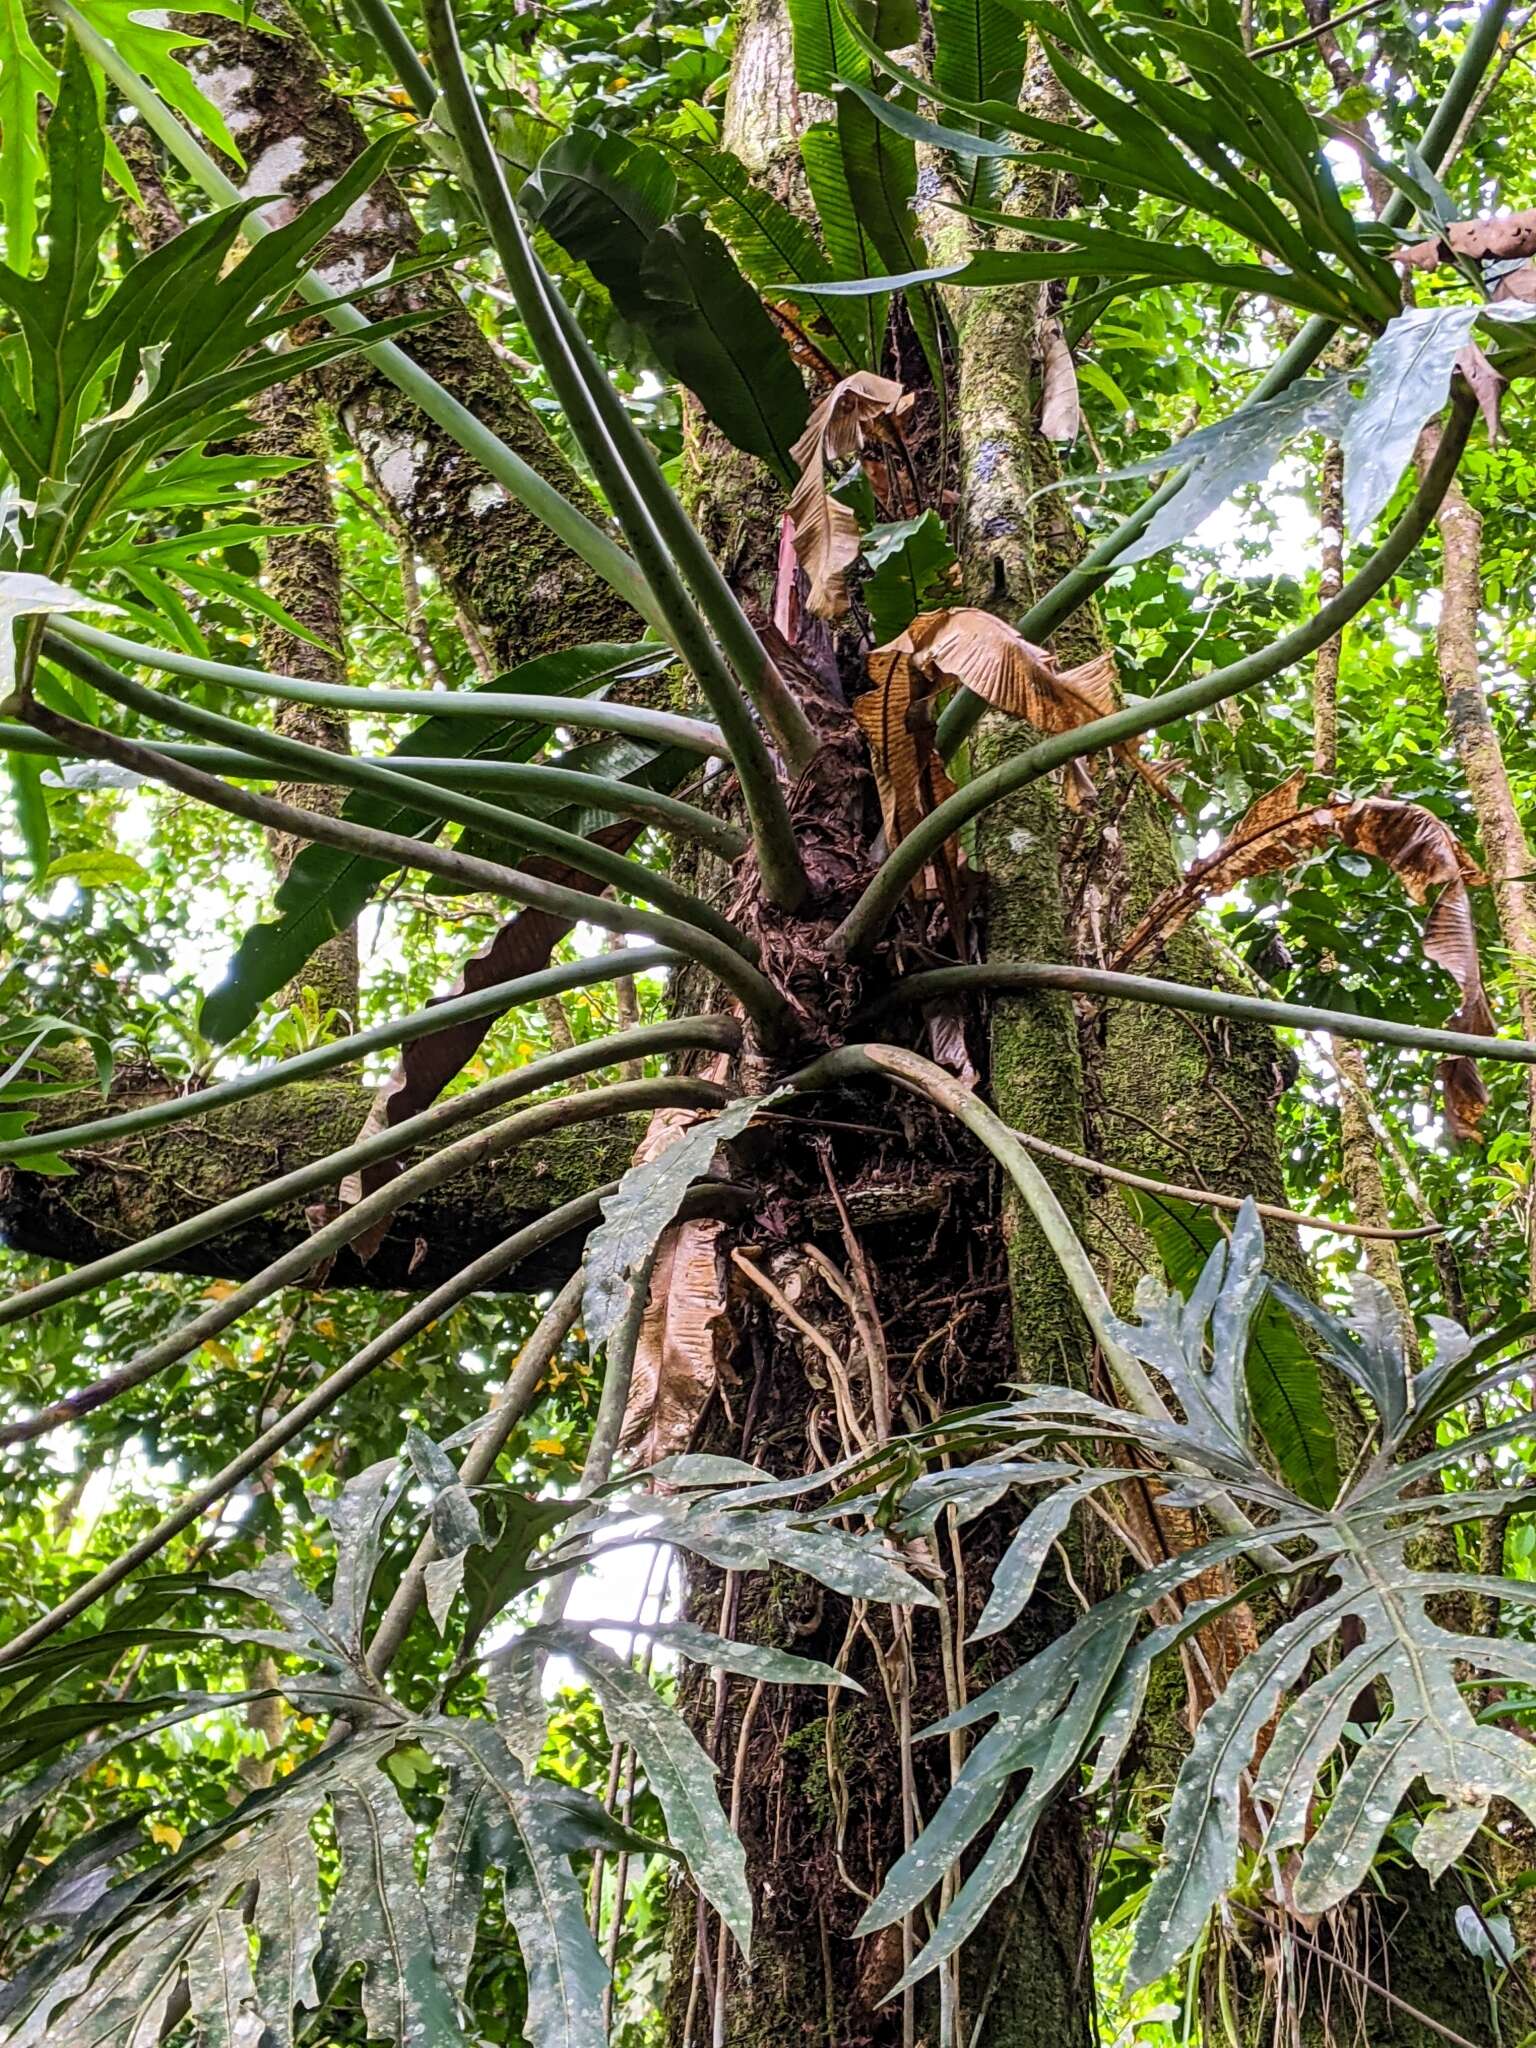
767,1024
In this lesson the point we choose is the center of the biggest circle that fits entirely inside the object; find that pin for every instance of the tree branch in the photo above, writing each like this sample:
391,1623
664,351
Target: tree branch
565,1110
718,1032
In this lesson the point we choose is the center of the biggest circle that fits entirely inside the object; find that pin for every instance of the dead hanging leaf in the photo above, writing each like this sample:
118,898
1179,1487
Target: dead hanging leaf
685,1331
1486,383
897,718
1465,1095
1060,410
826,533
990,657
1421,851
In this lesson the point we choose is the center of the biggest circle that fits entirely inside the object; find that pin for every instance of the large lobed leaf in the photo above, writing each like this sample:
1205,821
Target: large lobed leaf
1361,1621
611,204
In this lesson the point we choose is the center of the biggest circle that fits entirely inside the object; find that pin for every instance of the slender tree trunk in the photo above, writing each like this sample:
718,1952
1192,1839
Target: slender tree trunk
1505,848
501,566
303,572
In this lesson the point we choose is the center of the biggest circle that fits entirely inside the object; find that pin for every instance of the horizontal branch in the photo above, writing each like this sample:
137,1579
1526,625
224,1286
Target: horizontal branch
595,714
719,1033
159,1186
295,1265
445,1015
755,993
861,929
1208,1002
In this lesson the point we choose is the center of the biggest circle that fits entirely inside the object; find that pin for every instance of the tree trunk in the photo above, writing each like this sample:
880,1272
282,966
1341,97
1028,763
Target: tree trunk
502,567
303,573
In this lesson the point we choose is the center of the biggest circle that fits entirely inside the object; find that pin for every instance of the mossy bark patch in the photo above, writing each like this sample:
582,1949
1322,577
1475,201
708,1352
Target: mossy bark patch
132,1187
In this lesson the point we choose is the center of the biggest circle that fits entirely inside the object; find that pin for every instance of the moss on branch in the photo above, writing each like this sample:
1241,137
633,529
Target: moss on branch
147,1182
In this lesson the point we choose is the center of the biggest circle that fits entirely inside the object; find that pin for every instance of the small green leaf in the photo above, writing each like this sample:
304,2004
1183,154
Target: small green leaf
911,569
99,869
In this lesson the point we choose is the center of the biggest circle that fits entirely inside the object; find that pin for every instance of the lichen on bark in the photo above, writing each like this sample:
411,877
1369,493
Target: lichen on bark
501,565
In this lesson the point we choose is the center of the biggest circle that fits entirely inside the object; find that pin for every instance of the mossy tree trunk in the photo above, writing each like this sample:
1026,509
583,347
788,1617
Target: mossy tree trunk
503,569
304,576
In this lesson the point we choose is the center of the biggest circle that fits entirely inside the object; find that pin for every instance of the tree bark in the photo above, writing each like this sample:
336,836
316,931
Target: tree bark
502,567
303,573
132,1187
1505,848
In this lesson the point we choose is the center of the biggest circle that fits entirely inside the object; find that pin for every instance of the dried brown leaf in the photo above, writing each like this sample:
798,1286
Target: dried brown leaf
963,645
1422,852
897,718
1486,383
685,1332
1061,413
826,533
1465,1095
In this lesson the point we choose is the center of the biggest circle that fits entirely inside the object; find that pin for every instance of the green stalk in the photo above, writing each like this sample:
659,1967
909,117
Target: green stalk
923,1078
651,807
778,854
342,1052
518,830
742,649
512,1404
580,534
575,1215
749,659
740,645
756,994
964,711
861,929
379,18
1207,1002
580,713
560,1112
